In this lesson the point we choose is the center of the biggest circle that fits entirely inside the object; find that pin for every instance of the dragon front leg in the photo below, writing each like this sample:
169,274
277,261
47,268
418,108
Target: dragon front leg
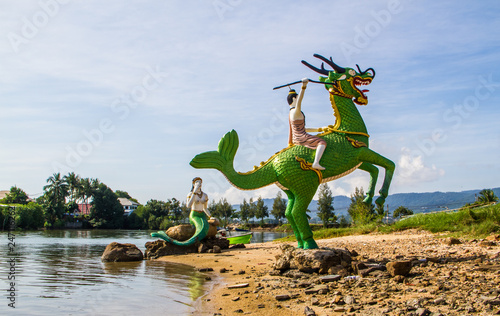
369,156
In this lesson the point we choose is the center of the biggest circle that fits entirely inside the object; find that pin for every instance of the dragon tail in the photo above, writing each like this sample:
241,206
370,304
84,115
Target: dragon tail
222,160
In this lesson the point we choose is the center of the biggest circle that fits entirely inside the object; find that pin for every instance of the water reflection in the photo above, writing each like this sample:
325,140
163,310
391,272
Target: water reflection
61,272
179,275
122,268
259,237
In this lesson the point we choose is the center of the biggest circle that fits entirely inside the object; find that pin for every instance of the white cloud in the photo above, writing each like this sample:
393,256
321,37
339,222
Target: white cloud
337,190
412,170
346,186
236,196
220,74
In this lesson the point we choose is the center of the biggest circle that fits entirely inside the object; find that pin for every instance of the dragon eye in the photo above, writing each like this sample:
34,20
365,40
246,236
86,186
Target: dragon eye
352,72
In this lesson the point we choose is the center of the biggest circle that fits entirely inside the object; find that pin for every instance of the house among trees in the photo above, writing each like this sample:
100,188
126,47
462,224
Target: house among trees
14,196
128,205
84,208
3,194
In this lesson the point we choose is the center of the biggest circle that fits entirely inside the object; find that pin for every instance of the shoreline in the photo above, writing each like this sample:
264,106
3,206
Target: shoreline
232,266
442,280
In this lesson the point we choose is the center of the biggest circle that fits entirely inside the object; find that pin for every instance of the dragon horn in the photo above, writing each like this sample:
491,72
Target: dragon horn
363,72
330,62
322,71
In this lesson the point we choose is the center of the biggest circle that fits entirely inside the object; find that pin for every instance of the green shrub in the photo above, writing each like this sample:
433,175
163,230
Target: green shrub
59,223
134,221
474,222
2,218
29,216
166,224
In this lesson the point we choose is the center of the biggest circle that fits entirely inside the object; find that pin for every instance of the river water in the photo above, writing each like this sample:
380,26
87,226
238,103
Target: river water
60,273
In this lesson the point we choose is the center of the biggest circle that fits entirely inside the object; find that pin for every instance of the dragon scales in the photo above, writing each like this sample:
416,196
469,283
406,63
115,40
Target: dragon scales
290,169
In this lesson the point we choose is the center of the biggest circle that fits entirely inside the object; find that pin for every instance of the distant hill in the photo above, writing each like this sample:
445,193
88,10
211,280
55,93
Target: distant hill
427,202
418,202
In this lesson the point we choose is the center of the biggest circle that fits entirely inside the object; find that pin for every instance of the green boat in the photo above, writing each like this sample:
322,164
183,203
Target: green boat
240,239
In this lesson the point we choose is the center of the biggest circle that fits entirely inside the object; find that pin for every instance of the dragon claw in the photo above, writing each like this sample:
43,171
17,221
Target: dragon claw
380,201
310,244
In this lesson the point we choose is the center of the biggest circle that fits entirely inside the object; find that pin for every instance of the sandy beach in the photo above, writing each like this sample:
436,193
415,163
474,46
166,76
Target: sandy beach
448,277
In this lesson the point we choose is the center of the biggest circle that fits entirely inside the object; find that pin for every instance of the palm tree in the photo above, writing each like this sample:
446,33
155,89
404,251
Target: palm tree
86,189
95,183
56,192
74,185
487,196
56,189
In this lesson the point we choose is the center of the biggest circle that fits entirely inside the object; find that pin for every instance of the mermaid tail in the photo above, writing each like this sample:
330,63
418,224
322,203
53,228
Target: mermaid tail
200,222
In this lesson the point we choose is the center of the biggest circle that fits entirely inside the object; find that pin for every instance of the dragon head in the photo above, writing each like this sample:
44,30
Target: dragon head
344,82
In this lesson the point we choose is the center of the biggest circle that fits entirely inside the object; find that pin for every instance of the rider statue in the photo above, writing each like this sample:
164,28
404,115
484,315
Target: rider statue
298,132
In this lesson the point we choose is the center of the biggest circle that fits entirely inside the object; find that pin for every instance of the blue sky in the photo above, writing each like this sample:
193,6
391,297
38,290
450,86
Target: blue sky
130,93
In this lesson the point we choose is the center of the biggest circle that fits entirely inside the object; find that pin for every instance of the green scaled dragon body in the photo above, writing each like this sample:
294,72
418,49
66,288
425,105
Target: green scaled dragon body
290,169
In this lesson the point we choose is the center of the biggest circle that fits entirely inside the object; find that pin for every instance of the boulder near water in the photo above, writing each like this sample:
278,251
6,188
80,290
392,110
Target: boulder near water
212,231
185,231
116,252
312,260
181,232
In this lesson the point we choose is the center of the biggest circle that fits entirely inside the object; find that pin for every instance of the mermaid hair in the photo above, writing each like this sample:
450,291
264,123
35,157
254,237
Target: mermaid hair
194,180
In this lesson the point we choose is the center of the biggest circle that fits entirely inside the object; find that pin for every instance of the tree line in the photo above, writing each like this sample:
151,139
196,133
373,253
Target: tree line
59,205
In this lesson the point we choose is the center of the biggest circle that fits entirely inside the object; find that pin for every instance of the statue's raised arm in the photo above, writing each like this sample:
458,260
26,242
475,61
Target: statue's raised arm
298,133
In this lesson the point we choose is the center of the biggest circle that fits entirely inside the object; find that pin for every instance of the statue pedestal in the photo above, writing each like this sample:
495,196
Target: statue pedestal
159,248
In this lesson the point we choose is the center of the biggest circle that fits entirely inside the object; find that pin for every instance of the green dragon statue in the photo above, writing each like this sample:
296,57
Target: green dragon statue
291,169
